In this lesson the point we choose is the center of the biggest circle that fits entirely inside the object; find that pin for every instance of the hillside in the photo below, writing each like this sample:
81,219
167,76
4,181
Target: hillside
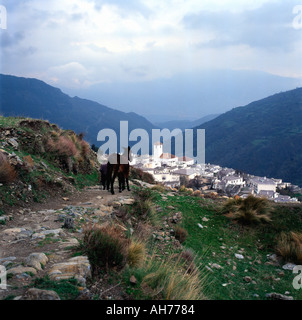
36,99
262,138
39,161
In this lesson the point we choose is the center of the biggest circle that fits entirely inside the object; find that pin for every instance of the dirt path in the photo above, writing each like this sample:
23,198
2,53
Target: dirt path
38,229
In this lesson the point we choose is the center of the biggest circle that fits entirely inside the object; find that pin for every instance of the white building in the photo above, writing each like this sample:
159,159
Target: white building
233,180
262,184
157,150
189,173
185,161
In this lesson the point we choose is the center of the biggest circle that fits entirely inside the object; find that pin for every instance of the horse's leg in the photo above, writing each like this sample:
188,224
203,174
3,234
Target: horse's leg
112,180
127,181
108,176
123,181
120,182
127,177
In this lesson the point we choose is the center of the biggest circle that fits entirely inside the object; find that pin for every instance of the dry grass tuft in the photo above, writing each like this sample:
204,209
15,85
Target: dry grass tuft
106,247
136,254
170,280
7,171
181,234
289,247
251,210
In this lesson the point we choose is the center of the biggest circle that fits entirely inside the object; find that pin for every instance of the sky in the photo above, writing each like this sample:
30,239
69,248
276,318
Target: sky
84,44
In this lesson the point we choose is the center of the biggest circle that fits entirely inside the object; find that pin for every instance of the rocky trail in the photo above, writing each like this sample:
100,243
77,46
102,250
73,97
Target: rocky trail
36,242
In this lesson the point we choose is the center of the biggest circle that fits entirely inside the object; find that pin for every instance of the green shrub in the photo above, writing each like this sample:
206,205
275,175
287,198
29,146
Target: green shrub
181,234
106,247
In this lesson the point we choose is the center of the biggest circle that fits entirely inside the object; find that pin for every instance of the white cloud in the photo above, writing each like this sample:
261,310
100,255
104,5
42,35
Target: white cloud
77,43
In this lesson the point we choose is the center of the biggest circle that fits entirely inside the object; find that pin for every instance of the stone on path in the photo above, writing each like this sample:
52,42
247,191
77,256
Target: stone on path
278,296
20,270
37,294
78,268
289,266
36,260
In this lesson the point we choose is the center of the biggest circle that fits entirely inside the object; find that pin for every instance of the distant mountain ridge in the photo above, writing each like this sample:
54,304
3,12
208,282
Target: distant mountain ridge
185,124
263,138
36,99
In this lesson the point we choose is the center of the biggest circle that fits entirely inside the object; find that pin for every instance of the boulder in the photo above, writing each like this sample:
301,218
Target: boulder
78,268
37,294
20,270
278,296
36,260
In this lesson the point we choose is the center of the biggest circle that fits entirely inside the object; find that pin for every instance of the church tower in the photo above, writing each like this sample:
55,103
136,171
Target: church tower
157,150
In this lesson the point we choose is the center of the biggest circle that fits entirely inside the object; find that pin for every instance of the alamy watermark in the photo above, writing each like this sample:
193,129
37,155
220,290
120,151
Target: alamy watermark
3,17
297,22
3,278
184,142
297,282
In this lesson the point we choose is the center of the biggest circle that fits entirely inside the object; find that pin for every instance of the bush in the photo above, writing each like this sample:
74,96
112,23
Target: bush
63,146
136,254
181,234
143,231
159,188
141,175
189,258
7,171
143,194
170,280
182,189
106,247
289,247
251,210
143,209
85,148
197,193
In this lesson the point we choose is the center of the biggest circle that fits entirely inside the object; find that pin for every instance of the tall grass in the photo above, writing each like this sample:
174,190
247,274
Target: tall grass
171,280
106,247
289,246
251,210
136,253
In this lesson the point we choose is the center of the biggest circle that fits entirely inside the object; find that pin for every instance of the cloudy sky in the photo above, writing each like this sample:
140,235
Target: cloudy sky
77,44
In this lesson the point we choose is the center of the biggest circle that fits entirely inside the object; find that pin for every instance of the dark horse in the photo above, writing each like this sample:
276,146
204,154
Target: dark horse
118,166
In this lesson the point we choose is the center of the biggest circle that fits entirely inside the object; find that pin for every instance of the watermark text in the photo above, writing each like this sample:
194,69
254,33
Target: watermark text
297,22
3,17
3,278
297,282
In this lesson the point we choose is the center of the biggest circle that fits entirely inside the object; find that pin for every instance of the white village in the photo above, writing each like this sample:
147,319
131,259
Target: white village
173,171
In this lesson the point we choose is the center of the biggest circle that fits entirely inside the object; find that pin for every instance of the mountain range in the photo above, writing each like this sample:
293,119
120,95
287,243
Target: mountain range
262,138
188,95
36,99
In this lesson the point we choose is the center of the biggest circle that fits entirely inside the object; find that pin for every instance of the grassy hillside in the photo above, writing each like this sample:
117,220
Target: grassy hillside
262,138
38,160
234,261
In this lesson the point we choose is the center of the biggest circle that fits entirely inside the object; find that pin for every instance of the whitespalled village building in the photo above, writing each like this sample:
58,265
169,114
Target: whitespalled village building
171,170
